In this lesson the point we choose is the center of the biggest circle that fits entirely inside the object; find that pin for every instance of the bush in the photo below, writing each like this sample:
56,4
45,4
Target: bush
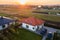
56,36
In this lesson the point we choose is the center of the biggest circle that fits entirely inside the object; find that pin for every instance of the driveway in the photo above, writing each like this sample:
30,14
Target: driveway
49,29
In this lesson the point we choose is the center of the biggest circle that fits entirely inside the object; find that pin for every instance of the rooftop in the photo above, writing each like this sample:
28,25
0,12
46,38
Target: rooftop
5,21
33,21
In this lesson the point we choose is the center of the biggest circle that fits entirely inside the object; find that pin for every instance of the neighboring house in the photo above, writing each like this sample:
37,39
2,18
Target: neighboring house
58,13
5,22
32,23
56,35
54,13
58,32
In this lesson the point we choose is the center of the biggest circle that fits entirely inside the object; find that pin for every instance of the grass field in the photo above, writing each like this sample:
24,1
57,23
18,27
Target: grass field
6,15
53,18
45,10
48,17
20,34
30,14
23,12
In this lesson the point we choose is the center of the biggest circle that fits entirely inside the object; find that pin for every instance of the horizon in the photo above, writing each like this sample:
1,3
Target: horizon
30,2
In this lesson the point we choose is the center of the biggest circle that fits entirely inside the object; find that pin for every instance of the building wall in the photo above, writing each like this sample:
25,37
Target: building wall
32,28
10,23
6,25
58,14
40,26
0,27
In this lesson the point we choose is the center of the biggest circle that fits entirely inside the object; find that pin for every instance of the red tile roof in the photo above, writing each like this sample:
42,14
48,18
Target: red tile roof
33,21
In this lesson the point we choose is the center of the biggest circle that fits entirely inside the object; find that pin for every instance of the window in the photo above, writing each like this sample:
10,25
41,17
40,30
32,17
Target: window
27,26
37,27
3,26
33,28
6,25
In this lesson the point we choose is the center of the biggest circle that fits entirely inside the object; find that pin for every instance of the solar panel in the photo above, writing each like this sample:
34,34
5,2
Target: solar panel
5,21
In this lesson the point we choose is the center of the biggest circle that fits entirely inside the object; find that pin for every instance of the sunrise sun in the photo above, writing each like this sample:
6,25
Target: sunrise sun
23,1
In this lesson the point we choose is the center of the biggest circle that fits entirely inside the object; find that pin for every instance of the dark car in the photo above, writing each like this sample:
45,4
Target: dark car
43,31
49,36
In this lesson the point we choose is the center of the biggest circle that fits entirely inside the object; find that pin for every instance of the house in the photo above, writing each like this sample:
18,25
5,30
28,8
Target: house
58,14
32,23
56,35
49,36
5,22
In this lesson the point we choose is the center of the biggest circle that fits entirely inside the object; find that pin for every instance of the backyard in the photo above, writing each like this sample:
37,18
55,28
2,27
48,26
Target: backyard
19,34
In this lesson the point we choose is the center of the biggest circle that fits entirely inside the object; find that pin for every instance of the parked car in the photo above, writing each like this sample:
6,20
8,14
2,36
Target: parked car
49,36
43,31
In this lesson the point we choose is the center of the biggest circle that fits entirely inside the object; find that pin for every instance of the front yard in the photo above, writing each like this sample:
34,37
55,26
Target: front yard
19,34
27,35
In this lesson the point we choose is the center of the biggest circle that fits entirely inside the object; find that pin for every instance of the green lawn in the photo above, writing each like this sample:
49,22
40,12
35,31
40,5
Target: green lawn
44,10
47,17
28,13
43,16
27,35
20,34
40,16
6,15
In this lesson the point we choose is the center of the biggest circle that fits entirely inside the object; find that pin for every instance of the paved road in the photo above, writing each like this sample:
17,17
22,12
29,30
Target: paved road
49,30
0,28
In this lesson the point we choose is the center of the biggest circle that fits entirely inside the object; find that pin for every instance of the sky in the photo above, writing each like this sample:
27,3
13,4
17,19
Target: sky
34,2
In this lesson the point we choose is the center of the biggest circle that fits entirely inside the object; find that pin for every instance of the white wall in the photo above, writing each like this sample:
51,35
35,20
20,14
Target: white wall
1,28
58,14
10,23
41,25
31,27
6,25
